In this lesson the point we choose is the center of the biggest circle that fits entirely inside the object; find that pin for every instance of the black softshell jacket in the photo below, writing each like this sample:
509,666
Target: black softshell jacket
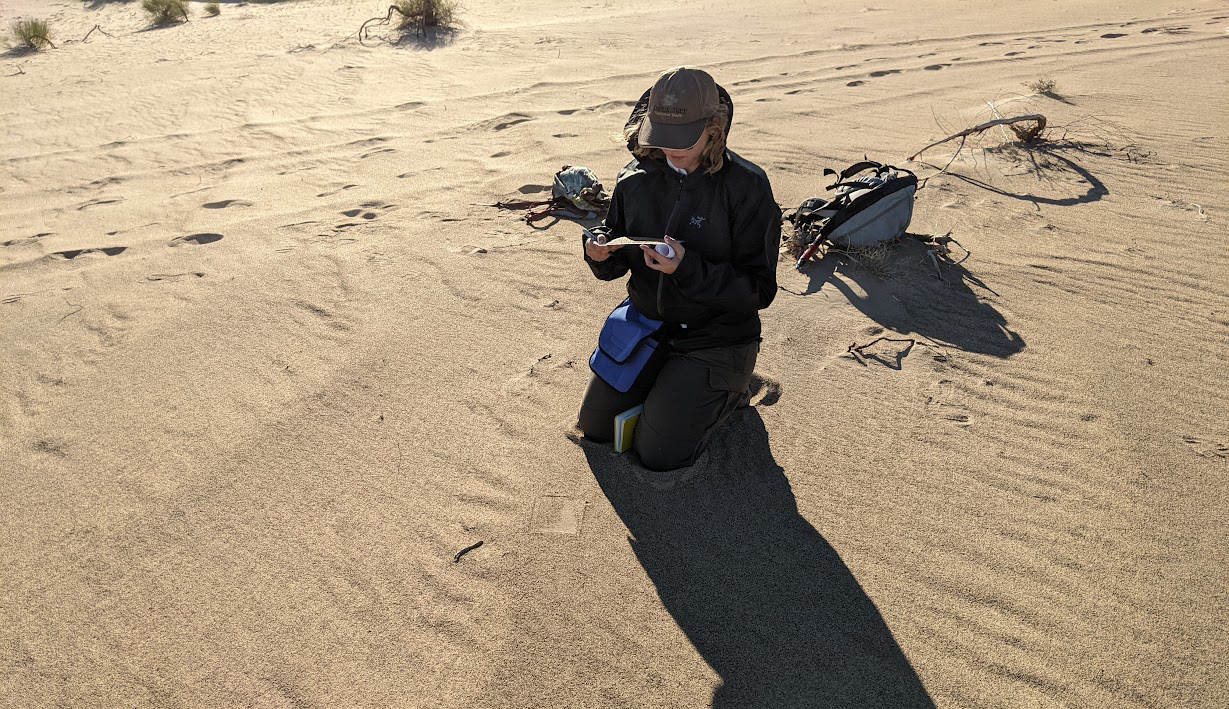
730,226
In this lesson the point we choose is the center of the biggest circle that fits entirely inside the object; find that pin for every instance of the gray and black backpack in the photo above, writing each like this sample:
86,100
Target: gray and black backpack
872,203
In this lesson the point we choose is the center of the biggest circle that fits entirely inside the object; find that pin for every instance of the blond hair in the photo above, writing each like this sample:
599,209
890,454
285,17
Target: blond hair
713,157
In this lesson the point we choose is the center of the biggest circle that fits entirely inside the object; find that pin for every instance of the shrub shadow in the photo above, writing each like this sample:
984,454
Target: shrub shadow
1051,163
766,601
20,50
429,39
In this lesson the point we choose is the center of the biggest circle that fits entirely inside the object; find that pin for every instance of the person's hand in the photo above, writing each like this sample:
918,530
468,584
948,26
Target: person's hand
598,252
657,262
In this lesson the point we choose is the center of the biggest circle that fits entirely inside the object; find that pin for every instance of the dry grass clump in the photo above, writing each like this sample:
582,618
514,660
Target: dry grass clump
1041,85
212,9
875,259
418,15
165,12
31,34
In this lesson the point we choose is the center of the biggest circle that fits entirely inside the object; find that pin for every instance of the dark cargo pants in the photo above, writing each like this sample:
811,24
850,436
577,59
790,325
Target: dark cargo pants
686,395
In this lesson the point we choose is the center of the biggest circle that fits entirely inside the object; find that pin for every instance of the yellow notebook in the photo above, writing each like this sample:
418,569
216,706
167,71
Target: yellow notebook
625,428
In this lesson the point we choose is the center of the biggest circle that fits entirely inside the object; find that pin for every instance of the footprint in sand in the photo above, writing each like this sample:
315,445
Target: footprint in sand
512,120
74,253
368,210
1113,35
936,67
946,403
1013,54
27,240
764,391
227,203
855,83
343,188
1207,449
884,72
196,239
377,152
99,203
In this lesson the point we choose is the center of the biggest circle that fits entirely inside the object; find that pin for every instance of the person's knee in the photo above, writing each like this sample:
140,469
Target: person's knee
596,425
659,453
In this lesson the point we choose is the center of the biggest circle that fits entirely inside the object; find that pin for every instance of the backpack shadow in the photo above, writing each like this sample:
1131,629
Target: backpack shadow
914,301
763,597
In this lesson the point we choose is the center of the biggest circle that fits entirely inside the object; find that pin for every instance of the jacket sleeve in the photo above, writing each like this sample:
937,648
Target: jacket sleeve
748,282
616,264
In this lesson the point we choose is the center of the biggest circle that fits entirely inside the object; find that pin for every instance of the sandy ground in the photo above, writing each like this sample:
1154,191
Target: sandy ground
267,368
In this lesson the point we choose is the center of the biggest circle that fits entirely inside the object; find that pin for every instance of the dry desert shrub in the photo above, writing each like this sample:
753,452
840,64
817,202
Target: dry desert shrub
212,9
418,15
31,34
1041,85
164,12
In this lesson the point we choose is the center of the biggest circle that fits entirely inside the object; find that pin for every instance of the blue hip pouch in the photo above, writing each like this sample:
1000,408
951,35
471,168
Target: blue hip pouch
624,346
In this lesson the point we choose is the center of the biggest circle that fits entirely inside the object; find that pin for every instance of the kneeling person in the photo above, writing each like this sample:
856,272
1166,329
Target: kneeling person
723,226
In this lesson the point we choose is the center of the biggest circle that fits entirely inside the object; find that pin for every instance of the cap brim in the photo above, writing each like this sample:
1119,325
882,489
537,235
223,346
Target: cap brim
666,136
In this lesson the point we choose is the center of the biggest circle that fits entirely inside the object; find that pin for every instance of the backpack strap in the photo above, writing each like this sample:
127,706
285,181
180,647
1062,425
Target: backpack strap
852,170
540,209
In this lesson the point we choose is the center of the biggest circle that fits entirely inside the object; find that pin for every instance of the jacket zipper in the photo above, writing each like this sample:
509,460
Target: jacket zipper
661,277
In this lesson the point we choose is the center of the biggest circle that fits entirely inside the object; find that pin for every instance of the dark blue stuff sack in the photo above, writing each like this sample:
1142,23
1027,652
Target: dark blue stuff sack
624,347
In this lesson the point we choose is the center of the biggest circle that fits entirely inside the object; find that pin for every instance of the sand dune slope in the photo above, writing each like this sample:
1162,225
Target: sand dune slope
271,361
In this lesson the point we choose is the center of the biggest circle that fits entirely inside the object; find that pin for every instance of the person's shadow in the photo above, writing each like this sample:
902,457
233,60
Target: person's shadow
763,597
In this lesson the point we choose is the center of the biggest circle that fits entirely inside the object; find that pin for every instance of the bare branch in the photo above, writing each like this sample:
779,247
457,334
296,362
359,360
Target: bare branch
1021,133
380,21
97,28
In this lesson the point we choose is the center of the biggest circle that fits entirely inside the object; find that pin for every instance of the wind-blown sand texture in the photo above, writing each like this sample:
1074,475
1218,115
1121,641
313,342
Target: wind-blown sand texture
267,368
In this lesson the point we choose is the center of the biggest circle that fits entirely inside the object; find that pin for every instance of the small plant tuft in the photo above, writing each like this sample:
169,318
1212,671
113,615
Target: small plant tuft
1041,85
33,34
165,12
875,259
212,9
419,15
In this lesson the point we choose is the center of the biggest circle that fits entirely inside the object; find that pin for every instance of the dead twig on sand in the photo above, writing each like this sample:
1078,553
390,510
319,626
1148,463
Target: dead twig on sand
78,309
855,350
457,559
97,28
1024,134
86,38
19,72
362,31
939,247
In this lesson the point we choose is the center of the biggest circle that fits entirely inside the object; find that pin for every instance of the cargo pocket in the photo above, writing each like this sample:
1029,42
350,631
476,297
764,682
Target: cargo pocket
731,372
